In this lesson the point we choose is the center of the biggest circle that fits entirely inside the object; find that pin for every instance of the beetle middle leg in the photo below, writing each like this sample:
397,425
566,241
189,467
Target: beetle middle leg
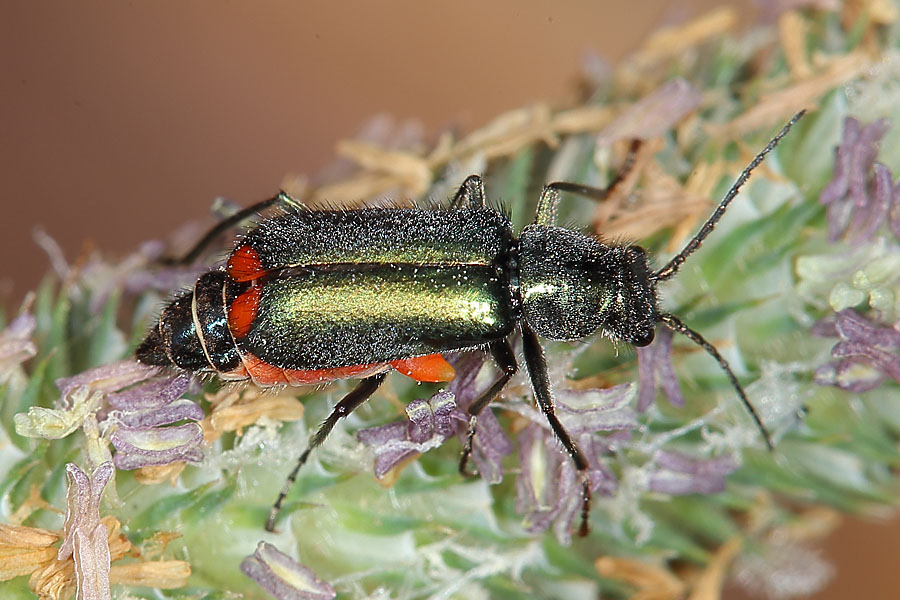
540,383
347,405
505,358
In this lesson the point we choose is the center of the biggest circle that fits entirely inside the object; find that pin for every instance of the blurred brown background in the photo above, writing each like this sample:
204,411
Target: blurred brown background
120,121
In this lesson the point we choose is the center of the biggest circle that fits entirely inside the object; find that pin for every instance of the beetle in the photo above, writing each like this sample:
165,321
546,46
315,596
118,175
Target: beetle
311,296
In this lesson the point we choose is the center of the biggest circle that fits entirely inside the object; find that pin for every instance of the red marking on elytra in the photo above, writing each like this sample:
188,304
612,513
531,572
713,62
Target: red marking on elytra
265,374
243,311
432,368
296,377
244,264
236,374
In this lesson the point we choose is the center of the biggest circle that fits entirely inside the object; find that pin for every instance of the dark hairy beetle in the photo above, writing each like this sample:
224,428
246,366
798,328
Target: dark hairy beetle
312,296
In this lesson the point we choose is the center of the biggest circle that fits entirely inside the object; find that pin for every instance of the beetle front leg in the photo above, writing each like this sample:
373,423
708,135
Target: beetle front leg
540,382
549,200
505,358
347,405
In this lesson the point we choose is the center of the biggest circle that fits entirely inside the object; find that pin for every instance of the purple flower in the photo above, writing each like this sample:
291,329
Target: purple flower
150,393
883,186
653,115
138,447
678,474
106,378
490,444
548,489
284,577
855,208
167,414
431,422
884,196
850,375
867,352
144,405
140,439
655,367
86,538
588,411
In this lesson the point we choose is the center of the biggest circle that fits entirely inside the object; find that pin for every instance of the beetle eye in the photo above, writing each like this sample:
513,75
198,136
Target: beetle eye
644,340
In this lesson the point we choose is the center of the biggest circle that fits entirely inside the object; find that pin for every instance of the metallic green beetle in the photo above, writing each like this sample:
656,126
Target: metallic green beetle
313,296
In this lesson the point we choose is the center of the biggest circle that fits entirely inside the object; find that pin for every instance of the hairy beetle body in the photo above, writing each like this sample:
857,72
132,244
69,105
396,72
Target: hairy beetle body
312,296
357,291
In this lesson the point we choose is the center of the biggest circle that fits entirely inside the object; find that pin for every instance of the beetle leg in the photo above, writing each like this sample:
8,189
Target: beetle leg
226,224
505,358
540,382
347,405
549,200
470,194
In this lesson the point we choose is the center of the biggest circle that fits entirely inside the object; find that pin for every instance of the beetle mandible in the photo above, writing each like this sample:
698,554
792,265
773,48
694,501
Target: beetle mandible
312,296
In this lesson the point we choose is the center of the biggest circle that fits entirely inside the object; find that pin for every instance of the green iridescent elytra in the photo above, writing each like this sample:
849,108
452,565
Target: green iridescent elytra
339,318
375,285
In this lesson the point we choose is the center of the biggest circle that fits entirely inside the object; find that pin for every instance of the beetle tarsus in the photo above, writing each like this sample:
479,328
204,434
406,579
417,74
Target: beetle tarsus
467,449
548,202
470,194
584,528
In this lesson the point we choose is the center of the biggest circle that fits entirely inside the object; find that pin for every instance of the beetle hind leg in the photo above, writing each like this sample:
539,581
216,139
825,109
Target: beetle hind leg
504,357
347,405
229,222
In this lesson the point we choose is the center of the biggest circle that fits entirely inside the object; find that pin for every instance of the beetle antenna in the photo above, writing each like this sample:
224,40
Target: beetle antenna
672,267
675,324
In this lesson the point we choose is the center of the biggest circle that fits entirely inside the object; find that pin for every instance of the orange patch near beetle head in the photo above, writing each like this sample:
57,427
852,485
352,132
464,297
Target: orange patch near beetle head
432,368
244,264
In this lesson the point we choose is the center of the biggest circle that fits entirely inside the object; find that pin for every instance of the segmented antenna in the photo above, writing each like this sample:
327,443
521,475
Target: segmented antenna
672,267
675,324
